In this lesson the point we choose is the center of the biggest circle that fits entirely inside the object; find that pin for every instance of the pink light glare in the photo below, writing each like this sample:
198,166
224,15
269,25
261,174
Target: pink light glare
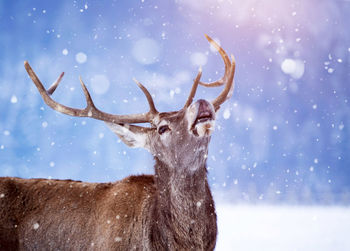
274,28
250,11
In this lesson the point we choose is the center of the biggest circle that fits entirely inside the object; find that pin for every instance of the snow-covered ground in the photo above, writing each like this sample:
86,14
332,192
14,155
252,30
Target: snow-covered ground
283,228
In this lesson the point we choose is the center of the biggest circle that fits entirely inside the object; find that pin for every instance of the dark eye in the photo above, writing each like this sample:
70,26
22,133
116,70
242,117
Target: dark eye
163,129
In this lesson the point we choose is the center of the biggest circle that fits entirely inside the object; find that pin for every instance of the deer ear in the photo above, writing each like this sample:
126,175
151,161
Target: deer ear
132,136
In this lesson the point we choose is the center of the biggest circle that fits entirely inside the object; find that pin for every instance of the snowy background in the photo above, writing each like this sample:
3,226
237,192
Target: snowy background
281,147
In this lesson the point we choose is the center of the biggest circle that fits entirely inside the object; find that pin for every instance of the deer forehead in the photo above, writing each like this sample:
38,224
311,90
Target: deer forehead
165,118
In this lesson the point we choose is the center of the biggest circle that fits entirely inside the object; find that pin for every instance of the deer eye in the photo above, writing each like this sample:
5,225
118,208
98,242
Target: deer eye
163,129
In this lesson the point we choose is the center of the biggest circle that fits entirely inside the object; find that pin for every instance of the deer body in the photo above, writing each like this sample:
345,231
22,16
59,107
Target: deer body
171,210
71,215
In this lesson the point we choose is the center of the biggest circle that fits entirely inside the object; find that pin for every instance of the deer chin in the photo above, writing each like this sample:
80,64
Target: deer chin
205,128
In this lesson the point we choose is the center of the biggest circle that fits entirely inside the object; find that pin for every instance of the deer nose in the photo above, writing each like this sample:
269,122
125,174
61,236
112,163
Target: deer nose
205,109
203,105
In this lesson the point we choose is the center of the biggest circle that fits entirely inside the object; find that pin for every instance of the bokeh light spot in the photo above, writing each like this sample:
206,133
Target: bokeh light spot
81,57
146,51
99,84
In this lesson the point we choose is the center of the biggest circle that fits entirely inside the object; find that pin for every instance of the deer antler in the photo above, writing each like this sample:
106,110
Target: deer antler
227,79
194,89
228,90
91,110
226,61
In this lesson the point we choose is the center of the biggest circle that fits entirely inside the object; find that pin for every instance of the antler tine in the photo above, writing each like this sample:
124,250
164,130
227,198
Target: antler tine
152,107
226,61
55,84
90,110
87,95
194,88
46,95
228,90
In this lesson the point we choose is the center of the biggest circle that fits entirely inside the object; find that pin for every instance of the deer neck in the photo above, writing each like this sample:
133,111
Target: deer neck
184,208
180,182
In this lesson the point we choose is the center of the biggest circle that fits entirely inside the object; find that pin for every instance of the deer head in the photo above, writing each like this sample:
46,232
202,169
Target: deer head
171,135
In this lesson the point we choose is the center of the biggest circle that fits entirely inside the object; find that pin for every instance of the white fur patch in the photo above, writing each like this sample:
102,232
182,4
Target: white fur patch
191,115
206,128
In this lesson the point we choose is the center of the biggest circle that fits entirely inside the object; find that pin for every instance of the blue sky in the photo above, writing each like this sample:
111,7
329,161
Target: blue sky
283,136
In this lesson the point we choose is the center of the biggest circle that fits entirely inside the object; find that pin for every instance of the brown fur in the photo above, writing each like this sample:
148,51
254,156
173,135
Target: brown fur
47,214
40,214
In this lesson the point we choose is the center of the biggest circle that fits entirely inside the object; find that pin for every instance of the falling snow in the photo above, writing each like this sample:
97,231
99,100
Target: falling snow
118,239
283,137
227,113
294,68
14,99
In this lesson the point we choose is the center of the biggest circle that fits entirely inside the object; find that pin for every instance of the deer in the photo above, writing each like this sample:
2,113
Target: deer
170,210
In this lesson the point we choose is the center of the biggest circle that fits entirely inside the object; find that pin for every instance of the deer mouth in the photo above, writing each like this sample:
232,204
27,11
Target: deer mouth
203,116
203,119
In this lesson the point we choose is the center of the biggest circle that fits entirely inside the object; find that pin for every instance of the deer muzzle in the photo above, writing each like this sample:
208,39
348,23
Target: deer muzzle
201,118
